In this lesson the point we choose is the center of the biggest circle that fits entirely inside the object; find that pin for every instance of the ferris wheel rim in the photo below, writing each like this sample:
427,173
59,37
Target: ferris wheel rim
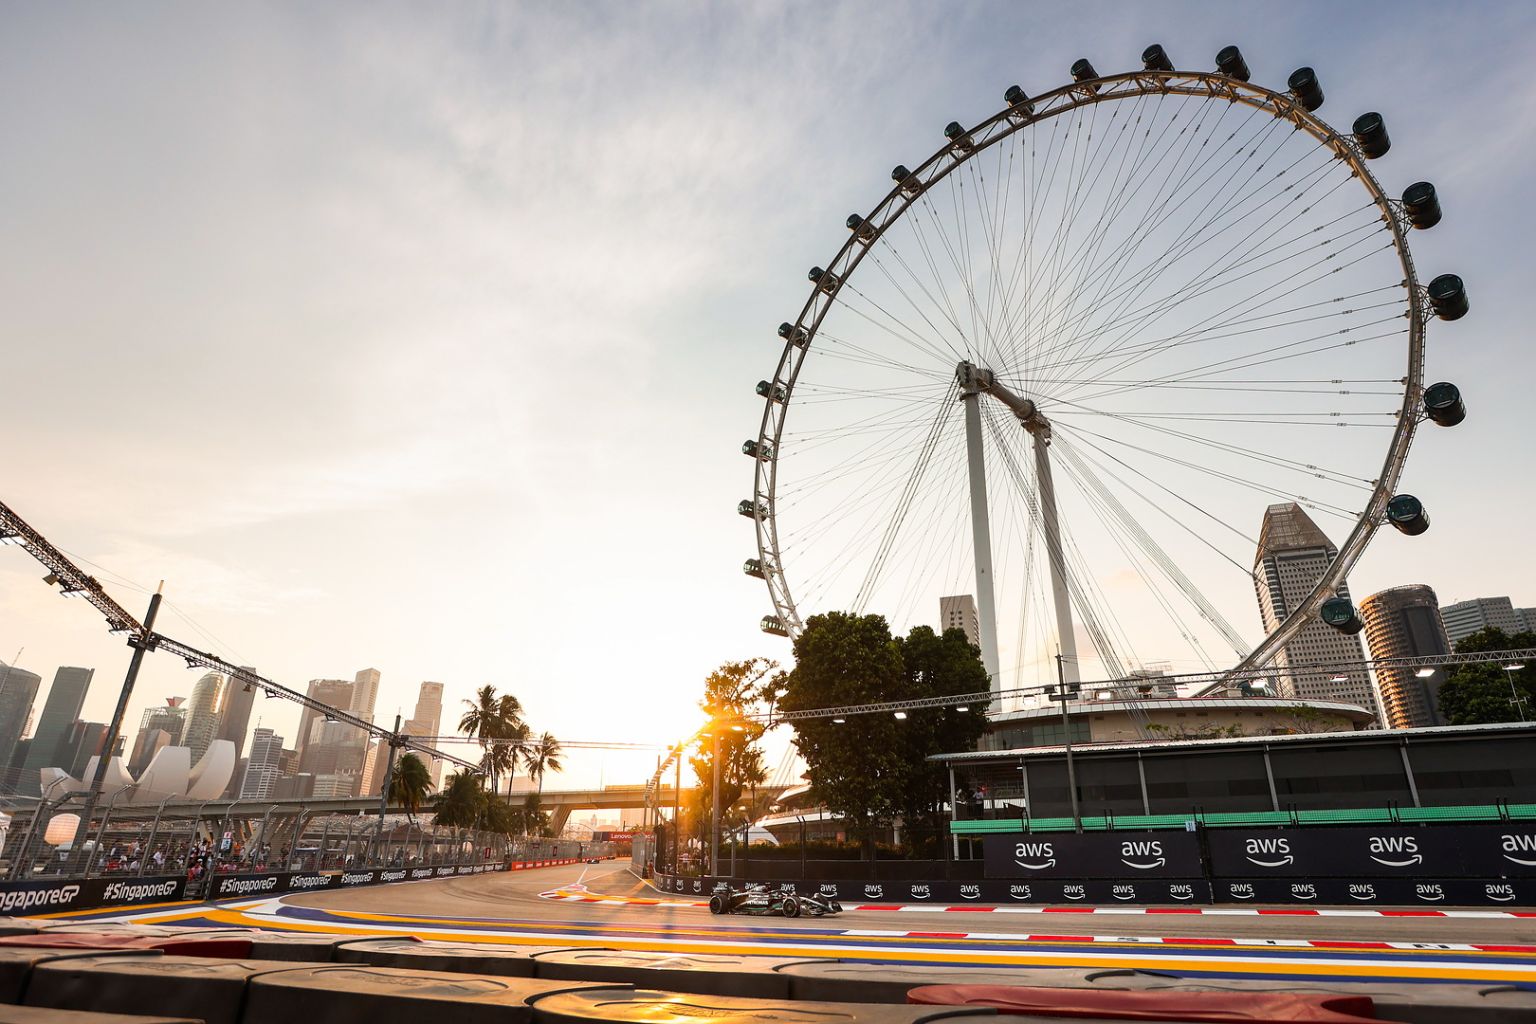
1208,86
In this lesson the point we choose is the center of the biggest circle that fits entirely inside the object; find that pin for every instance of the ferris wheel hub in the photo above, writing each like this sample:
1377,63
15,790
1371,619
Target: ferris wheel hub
976,380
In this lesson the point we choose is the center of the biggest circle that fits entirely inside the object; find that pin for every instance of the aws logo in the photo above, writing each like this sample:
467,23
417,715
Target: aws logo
970,892
874,892
1123,892
1430,892
1303,891
828,889
1018,892
1181,892
1404,848
1278,852
920,892
1240,890
1519,844
1501,892
1148,855
1074,892
1040,856
1362,891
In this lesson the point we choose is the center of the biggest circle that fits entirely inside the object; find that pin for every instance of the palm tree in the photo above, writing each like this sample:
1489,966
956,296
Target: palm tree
491,717
461,802
542,755
409,784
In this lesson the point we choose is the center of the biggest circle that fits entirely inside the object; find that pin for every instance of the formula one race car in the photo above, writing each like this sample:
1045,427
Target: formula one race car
760,901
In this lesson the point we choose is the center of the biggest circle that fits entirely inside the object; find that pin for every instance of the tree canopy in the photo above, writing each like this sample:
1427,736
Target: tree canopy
872,769
409,784
1478,694
731,691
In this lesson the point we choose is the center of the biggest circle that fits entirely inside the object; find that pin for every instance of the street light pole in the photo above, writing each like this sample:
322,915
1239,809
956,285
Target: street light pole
140,644
714,814
389,770
1066,732
1514,695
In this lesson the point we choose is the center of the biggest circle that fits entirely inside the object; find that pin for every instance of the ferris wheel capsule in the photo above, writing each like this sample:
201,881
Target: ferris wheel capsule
1406,513
1082,71
1303,83
795,335
1339,612
1422,205
773,625
753,567
1229,61
1371,133
1443,404
1448,297
1016,98
1155,58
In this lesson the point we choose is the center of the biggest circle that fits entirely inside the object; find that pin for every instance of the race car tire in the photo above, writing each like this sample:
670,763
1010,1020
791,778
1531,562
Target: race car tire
717,904
791,907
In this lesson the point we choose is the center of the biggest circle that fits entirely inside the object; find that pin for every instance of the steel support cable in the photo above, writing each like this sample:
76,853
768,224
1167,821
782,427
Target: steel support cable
1130,320
1080,597
1126,251
906,334
1116,531
855,351
915,224
893,528
887,245
1155,551
1273,296
1119,313
1313,503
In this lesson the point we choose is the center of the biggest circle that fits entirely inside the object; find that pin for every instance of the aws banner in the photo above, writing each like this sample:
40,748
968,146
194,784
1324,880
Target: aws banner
1475,851
1093,855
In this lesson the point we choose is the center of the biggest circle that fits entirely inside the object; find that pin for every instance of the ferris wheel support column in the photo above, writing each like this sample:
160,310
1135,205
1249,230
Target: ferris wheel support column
981,537
1066,631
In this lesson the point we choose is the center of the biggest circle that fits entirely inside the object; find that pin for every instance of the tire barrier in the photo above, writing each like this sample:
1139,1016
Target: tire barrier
452,957
277,990
16,926
182,986
1184,1007
383,995
754,976
38,1015
16,966
645,1006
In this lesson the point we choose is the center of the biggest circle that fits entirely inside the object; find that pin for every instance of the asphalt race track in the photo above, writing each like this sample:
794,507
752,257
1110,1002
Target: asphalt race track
606,906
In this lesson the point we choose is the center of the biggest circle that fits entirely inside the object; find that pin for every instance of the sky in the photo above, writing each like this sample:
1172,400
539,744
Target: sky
423,338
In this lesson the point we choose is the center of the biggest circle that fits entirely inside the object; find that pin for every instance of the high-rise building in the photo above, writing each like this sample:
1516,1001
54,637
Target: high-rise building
65,699
1528,618
203,715
1293,554
160,727
1464,618
428,721
365,693
335,692
1404,622
235,716
263,768
18,689
959,612
82,741
335,748
333,787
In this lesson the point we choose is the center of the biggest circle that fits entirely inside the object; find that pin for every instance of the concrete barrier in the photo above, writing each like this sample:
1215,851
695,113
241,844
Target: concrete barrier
299,947
16,926
842,981
213,990
40,1015
644,1006
753,976
16,966
346,994
454,957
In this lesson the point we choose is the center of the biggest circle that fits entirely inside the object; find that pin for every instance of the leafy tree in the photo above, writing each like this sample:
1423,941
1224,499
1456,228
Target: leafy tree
409,784
541,755
872,769
1478,694
733,690
462,802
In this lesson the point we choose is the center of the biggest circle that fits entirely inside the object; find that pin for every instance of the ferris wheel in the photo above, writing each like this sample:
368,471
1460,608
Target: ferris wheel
1065,364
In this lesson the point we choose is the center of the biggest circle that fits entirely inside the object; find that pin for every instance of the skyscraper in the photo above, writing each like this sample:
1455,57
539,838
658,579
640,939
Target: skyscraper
264,767
365,693
203,715
82,741
235,717
65,698
160,727
335,692
18,689
1293,555
428,721
1464,618
959,612
1404,622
